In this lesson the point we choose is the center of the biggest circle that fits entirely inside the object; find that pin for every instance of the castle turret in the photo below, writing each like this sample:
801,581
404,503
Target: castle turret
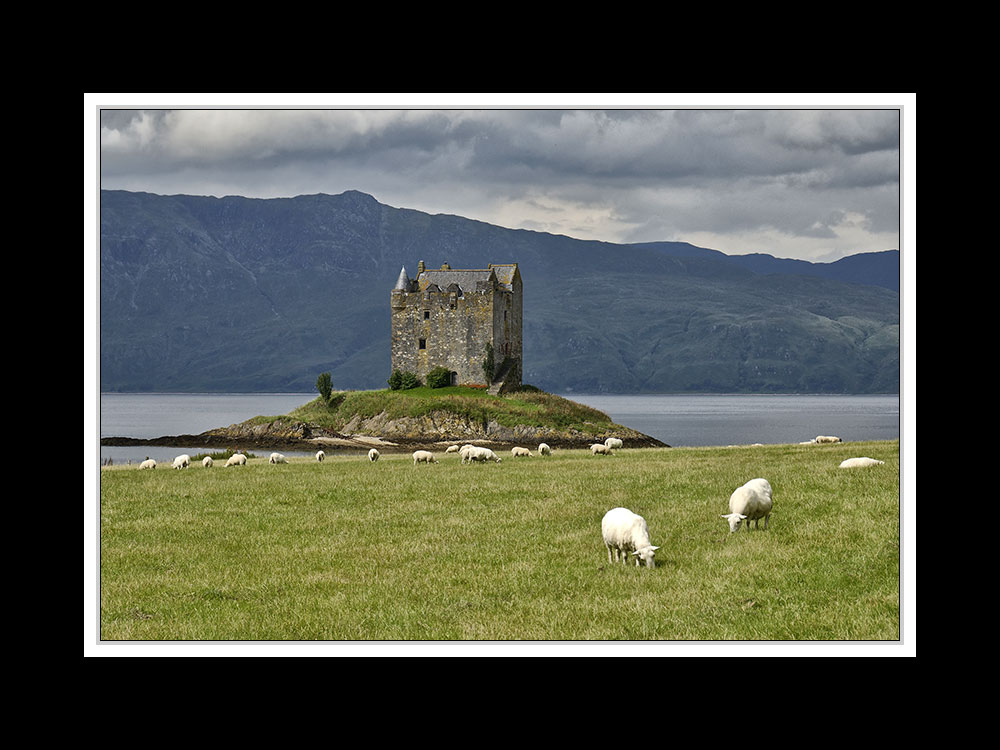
403,283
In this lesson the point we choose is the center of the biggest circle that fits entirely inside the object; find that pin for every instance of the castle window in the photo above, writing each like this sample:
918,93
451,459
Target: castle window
423,343
427,314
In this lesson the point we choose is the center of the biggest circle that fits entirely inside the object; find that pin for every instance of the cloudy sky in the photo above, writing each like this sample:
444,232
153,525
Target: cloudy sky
811,181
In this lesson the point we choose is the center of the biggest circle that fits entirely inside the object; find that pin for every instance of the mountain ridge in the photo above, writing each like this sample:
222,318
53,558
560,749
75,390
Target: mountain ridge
247,294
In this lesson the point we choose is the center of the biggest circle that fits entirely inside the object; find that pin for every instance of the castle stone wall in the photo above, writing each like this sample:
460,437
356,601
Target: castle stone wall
433,327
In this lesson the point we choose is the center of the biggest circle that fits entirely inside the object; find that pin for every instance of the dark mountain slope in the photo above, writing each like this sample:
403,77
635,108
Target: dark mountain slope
238,294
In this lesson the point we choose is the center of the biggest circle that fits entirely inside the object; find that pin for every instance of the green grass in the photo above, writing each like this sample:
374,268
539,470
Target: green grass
528,407
346,550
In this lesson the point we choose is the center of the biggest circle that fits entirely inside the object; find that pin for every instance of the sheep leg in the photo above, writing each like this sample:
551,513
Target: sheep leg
609,553
767,520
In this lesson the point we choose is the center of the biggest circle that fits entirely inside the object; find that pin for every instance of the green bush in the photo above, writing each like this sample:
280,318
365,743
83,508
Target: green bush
324,384
403,381
439,377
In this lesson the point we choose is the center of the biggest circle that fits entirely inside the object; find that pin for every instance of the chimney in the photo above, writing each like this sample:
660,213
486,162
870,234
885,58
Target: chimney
420,268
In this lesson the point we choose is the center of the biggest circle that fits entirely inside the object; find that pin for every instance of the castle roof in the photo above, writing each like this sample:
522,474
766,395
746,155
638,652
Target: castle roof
505,273
465,278
403,282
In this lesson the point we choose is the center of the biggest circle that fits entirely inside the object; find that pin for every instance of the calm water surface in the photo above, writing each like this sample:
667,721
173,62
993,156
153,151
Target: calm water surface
151,415
678,420
695,419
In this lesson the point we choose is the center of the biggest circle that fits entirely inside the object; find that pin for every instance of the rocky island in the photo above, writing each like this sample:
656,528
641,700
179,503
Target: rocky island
418,418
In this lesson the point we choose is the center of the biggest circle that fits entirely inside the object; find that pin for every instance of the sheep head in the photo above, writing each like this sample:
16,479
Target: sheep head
734,520
645,556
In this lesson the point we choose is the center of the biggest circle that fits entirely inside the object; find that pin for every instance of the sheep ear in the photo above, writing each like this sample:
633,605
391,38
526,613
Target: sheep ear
653,548
741,515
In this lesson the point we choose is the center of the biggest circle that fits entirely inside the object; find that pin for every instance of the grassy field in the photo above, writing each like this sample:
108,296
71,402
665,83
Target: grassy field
346,550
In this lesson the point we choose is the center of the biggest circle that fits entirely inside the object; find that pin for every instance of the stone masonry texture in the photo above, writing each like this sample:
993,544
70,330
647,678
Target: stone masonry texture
446,317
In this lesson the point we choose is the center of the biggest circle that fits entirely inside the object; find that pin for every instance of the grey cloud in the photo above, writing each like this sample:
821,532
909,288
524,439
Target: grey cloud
650,174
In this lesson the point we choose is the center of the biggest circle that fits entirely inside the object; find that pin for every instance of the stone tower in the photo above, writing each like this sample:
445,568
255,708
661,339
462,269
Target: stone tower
451,317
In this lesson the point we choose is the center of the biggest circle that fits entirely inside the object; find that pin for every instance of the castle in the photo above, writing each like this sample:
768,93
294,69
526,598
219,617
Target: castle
467,320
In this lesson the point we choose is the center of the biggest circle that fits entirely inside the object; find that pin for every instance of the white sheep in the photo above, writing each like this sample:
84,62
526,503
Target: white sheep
207,462
613,442
602,449
182,461
320,455
516,451
751,502
485,454
148,464
423,457
277,458
472,453
452,449
237,459
544,449
827,439
373,455
853,463
626,533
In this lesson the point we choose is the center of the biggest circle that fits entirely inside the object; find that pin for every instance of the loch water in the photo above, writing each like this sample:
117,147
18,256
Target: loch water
676,419
741,419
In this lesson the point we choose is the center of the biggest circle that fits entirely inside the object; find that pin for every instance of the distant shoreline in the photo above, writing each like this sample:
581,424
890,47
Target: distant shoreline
341,442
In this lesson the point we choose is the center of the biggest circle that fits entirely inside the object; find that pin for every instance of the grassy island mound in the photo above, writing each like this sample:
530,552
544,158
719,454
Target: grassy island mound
434,415
527,407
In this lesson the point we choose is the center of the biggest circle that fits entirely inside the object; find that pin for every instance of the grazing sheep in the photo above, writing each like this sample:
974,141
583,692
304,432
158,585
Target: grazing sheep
452,449
423,457
277,458
752,502
544,449
182,461
853,463
320,455
207,462
625,532
471,453
601,448
827,439
148,464
613,442
373,455
237,459
515,452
